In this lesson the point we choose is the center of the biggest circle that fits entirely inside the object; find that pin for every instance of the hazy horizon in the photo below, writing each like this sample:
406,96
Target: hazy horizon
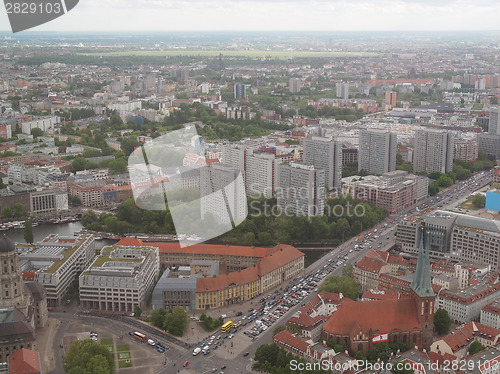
259,15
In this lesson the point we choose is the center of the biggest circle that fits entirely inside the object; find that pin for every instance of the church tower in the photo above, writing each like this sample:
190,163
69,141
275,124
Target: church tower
11,281
422,290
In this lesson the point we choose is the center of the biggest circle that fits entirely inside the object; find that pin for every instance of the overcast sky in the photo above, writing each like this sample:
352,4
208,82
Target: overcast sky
334,15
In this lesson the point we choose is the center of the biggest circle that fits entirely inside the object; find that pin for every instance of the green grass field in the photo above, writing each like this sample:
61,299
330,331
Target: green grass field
125,364
123,355
232,53
107,341
122,347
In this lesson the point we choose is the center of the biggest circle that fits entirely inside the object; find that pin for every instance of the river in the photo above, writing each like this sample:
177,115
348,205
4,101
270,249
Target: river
68,229
63,229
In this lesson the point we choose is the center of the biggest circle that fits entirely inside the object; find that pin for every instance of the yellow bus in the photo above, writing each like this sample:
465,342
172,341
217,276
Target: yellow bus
227,326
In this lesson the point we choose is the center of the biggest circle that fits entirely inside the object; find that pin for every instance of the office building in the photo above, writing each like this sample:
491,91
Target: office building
494,122
326,154
56,261
433,151
239,91
301,190
120,279
294,85
377,151
453,236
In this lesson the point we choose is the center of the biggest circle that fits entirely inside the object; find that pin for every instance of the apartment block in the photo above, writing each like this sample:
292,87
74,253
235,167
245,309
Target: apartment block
326,154
301,190
377,151
433,151
466,150
489,143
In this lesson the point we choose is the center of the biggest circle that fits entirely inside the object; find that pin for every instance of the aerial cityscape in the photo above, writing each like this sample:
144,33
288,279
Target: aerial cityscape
186,201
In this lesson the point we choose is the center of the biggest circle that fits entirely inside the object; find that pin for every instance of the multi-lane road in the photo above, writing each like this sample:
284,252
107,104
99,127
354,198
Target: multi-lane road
231,354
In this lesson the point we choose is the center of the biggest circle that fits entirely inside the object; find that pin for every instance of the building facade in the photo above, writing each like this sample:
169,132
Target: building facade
433,151
301,190
120,278
326,154
377,151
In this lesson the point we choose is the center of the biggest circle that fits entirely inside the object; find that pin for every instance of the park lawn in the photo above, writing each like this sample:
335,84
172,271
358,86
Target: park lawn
109,347
122,347
125,364
467,204
107,341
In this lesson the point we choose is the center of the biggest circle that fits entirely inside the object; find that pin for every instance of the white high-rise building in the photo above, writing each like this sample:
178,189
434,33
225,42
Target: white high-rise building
433,151
326,154
377,151
260,170
494,121
301,190
222,193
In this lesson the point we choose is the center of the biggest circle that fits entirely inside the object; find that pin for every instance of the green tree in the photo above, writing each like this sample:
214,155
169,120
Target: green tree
444,181
347,271
475,347
88,357
137,311
88,217
478,201
7,213
278,329
433,188
442,321
18,210
176,321
36,132
345,285
28,231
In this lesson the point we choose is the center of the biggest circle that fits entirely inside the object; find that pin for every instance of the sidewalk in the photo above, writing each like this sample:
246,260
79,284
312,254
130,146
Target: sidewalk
44,338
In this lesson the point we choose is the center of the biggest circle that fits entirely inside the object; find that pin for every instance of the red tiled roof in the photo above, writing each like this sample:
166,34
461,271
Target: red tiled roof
24,361
380,315
381,296
130,241
28,276
462,336
277,257
286,337
370,264
216,249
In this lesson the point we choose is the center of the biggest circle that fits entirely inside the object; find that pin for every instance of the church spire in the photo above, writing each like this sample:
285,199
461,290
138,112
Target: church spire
421,285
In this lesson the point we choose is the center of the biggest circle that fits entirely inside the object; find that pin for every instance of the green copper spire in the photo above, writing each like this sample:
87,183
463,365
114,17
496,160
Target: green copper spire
422,282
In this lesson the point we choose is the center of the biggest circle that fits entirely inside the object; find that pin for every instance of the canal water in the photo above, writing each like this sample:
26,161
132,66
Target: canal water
68,229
